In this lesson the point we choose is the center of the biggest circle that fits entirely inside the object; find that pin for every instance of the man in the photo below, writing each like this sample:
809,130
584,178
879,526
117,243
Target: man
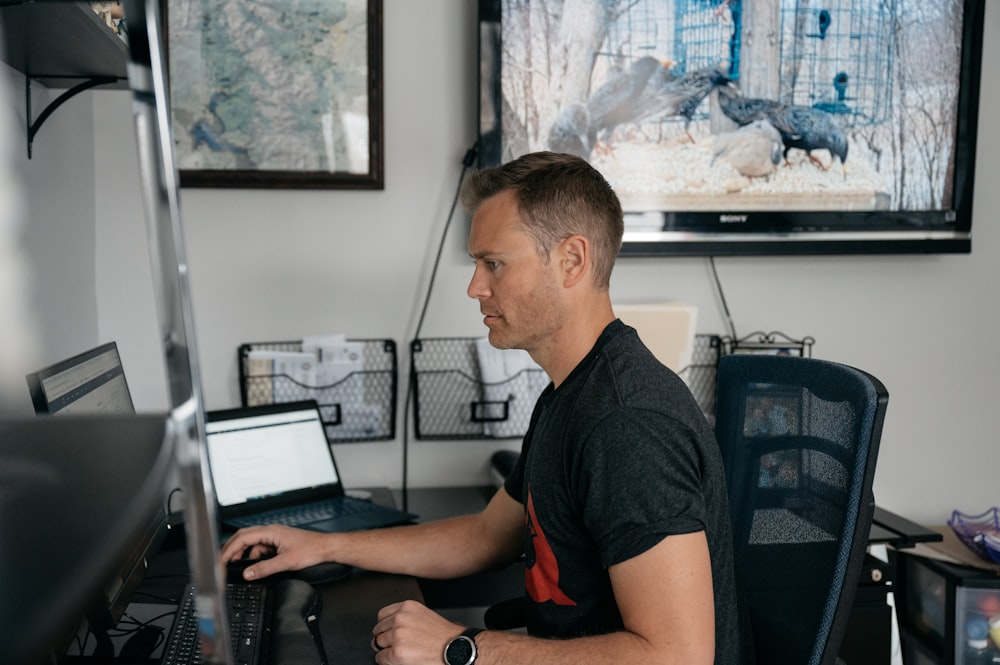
618,499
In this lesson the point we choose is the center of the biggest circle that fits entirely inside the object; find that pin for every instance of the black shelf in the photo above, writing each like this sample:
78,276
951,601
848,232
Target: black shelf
60,44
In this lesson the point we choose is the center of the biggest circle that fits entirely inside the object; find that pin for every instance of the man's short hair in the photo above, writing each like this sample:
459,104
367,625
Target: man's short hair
557,195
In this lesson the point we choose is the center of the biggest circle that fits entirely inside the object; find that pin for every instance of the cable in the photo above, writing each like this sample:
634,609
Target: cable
467,161
170,498
722,298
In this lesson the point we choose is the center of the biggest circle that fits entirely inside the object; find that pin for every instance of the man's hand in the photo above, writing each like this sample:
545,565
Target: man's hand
408,633
287,547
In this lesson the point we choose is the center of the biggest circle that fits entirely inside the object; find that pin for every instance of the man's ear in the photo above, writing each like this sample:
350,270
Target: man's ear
574,258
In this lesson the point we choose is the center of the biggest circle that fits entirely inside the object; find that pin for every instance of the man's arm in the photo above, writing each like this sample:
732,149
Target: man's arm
448,548
665,598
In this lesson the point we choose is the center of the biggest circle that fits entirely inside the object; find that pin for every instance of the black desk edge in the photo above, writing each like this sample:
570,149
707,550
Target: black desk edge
891,529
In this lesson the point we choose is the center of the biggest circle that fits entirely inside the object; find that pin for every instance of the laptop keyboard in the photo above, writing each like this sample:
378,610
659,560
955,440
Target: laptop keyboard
248,617
305,514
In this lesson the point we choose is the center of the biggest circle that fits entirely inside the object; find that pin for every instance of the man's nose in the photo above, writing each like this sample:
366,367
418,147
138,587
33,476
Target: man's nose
477,286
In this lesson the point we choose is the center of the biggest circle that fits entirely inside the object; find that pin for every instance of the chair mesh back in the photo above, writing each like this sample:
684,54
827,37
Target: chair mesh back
799,438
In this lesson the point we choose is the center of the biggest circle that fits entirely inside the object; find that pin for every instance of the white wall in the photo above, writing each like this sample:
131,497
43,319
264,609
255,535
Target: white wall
273,265
58,234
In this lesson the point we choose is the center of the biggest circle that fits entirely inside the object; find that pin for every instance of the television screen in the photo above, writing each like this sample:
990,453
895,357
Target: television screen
737,127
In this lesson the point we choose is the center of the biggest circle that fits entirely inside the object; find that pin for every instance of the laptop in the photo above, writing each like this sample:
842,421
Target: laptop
273,464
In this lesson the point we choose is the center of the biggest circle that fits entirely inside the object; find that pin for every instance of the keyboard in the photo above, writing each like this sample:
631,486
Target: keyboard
249,618
305,514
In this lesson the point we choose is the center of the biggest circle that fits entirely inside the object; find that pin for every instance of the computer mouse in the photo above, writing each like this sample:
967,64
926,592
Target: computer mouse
235,568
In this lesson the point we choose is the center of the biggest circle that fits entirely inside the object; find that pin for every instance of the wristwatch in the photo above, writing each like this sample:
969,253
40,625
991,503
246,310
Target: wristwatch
462,650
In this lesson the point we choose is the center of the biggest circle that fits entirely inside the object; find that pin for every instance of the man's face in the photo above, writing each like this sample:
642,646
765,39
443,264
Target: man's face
518,293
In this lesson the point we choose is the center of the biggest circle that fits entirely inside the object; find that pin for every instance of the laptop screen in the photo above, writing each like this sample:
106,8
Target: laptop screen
264,452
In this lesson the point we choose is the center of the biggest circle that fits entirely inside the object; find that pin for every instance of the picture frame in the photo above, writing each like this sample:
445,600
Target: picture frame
264,96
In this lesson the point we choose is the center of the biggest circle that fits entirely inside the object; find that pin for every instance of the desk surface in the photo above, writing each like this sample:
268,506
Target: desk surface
433,503
349,610
350,605
895,530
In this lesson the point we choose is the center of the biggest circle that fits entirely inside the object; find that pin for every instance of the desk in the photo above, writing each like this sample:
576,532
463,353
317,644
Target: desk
349,610
350,605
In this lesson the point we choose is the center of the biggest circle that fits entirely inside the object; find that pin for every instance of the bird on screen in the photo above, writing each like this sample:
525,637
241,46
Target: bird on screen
754,150
615,101
570,133
801,127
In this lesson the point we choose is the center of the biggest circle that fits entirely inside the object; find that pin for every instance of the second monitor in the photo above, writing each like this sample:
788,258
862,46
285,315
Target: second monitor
89,382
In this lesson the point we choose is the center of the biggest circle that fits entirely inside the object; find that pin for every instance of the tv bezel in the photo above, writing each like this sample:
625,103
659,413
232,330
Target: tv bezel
789,232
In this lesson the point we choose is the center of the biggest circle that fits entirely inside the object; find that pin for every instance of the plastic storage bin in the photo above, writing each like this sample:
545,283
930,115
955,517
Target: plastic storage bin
358,404
948,614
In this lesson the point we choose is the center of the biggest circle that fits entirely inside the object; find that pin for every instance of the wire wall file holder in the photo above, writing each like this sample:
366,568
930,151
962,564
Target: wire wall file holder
458,396
454,400
700,374
356,396
770,343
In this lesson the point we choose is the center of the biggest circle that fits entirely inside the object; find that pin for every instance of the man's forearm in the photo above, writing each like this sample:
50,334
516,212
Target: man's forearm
436,550
503,648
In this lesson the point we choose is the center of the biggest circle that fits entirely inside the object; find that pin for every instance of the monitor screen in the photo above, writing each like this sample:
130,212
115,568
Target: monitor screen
89,382
740,127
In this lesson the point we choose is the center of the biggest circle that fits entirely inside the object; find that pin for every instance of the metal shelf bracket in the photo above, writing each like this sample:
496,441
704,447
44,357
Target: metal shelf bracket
35,125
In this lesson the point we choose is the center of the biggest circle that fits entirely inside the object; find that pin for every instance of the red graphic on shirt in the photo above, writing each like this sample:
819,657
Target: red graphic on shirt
541,575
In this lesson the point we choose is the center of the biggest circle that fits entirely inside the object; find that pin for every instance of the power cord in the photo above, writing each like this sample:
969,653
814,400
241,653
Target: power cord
170,498
722,297
467,161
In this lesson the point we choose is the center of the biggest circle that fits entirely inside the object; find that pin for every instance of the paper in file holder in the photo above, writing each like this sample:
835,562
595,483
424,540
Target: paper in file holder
356,390
463,388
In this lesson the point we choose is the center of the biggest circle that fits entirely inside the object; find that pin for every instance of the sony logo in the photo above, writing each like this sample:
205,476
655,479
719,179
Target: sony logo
733,219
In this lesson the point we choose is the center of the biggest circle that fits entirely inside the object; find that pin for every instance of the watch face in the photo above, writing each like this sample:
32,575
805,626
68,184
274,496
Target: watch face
460,651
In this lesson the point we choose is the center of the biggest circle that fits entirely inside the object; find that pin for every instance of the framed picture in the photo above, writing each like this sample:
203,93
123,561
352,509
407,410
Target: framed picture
276,95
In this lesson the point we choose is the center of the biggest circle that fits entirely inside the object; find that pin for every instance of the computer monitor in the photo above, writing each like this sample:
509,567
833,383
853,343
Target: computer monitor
77,494
93,383
89,382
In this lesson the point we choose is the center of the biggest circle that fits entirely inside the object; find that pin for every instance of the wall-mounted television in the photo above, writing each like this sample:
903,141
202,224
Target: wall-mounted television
749,127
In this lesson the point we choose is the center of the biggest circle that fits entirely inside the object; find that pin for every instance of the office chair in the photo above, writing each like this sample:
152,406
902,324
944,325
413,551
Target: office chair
799,439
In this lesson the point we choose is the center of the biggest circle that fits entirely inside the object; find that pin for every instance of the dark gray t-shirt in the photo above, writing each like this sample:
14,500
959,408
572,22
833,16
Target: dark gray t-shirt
617,458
